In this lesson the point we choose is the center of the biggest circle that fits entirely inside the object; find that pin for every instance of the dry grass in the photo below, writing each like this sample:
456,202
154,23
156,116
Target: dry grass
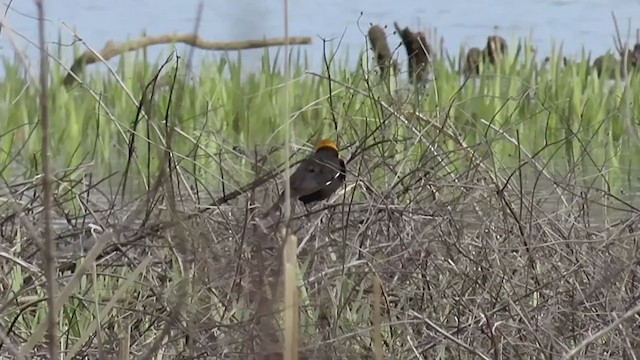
485,269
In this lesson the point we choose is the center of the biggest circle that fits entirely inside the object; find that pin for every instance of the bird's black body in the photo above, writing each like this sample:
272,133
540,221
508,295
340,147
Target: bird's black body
317,177
331,187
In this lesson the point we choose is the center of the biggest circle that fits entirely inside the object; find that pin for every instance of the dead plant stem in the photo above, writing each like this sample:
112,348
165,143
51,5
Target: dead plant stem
48,246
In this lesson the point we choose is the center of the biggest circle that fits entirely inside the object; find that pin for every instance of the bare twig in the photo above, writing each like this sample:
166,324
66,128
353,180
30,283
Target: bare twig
6,10
448,336
48,249
289,258
377,317
183,295
571,354
10,347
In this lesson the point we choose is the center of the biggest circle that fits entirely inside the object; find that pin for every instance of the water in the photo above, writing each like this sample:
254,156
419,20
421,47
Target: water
575,22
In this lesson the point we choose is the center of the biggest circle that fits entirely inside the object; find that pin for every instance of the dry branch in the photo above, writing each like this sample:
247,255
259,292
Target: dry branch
113,49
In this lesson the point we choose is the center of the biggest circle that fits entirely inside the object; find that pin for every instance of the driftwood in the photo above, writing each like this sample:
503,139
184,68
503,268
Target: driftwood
113,49
380,47
418,51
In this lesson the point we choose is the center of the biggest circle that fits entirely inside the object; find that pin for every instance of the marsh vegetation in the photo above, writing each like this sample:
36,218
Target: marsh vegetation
489,209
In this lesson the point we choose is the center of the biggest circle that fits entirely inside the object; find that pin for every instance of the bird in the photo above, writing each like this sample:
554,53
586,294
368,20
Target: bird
317,177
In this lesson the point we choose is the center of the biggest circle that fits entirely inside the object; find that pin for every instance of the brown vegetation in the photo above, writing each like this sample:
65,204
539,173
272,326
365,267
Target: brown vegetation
609,66
419,53
380,47
495,49
475,270
472,62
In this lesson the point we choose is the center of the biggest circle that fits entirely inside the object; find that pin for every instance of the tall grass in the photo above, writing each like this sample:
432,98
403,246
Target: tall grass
226,106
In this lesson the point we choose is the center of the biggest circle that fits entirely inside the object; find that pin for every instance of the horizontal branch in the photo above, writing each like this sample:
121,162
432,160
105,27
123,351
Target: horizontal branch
113,49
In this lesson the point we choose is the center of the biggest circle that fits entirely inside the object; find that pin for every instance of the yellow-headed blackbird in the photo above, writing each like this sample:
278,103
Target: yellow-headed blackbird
317,177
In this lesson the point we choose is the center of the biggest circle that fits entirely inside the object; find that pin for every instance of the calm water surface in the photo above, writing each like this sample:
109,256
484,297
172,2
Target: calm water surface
462,22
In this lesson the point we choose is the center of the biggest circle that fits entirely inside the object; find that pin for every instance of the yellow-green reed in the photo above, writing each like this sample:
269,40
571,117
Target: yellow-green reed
559,111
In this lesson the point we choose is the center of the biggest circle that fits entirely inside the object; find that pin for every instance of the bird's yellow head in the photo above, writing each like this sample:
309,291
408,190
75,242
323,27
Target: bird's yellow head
326,143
